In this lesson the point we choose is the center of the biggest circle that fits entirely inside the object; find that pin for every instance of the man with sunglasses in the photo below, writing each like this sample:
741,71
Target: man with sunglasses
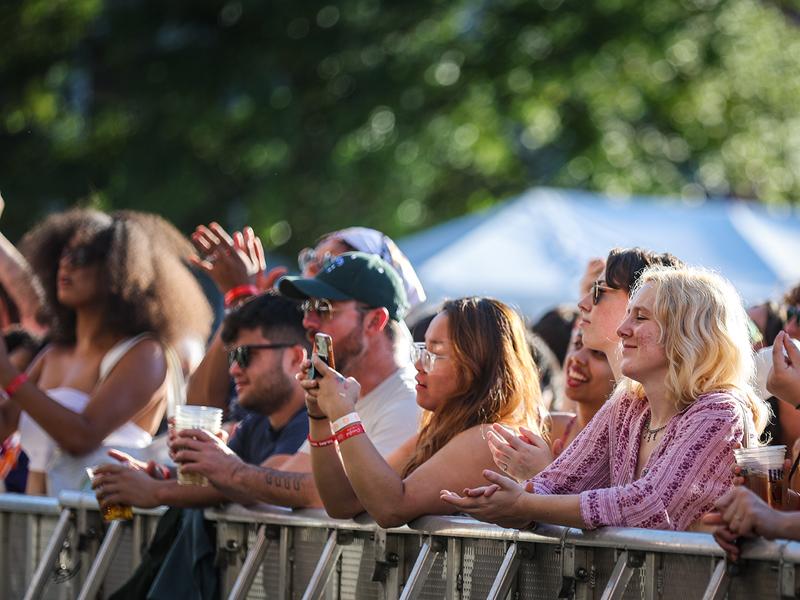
266,346
358,299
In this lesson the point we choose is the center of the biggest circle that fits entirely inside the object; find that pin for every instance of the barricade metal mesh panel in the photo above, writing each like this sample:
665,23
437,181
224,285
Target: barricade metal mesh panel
121,567
265,584
481,559
685,577
358,564
755,580
40,534
308,544
436,584
540,578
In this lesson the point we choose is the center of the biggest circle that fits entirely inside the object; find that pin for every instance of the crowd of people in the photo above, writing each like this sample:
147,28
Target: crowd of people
626,410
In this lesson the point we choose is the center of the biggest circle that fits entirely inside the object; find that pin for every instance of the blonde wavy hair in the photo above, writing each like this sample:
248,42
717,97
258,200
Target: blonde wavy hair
497,378
703,327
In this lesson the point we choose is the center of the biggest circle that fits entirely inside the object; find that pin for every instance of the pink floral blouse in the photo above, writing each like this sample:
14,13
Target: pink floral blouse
690,468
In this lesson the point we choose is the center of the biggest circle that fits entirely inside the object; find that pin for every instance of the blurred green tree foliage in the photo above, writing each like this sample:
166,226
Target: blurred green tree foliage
300,117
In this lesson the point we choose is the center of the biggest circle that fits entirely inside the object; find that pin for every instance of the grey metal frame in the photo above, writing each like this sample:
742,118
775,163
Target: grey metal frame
592,564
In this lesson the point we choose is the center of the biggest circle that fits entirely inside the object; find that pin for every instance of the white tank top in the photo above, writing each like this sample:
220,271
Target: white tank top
42,449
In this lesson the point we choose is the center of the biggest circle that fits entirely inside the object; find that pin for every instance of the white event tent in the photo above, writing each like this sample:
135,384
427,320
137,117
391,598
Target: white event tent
531,251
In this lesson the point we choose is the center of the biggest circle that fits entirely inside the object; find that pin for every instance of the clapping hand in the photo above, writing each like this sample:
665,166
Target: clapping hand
521,456
232,261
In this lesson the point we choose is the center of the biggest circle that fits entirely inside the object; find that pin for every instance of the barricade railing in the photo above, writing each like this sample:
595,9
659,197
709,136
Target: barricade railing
59,548
270,552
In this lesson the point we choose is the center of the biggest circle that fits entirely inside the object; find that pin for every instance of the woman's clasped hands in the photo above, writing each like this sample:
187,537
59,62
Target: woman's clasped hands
500,502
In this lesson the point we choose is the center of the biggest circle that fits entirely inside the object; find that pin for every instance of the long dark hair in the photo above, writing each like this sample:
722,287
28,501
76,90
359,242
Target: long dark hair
497,380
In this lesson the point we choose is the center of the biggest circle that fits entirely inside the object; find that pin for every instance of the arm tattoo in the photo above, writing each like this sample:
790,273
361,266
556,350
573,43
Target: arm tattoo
284,479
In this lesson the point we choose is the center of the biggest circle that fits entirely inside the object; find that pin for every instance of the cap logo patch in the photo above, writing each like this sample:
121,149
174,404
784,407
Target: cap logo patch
334,262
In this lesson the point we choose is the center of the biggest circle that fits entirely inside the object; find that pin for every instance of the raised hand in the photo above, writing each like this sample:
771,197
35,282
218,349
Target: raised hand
784,377
230,261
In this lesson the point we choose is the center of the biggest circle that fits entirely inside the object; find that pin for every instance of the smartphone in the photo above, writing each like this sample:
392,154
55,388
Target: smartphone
323,347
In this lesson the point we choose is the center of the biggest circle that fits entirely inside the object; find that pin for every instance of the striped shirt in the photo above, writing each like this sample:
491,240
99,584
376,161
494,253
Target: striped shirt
691,467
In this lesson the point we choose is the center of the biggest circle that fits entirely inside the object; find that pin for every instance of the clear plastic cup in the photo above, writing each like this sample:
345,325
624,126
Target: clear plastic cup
763,471
196,417
112,512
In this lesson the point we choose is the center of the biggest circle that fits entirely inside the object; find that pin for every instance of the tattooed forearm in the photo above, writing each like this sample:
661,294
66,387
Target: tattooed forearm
285,480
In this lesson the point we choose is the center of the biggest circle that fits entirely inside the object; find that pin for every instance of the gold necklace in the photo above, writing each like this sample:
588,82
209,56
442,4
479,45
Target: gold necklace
650,434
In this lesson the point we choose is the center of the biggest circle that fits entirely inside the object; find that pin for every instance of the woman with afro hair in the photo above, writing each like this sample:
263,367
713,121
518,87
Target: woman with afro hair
118,298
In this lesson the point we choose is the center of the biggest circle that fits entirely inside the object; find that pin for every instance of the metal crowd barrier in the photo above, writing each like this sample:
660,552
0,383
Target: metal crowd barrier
60,549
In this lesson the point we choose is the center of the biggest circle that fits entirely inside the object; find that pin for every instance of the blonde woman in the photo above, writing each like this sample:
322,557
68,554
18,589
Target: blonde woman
473,370
660,452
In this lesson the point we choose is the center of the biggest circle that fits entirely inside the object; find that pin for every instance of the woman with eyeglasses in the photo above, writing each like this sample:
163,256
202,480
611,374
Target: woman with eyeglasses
474,369
117,294
660,451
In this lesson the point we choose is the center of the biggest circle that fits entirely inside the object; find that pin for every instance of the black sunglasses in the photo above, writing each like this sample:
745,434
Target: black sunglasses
793,312
597,289
79,256
241,355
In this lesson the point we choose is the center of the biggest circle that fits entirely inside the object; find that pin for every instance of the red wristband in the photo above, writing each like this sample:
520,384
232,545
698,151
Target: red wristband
321,443
239,292
349,431
15,384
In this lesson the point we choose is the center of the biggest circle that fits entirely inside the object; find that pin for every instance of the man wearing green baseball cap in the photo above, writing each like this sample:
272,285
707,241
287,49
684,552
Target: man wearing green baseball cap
359,300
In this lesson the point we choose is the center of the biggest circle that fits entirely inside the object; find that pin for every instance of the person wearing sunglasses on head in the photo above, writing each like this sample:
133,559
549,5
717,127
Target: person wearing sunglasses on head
363,239
358,299
473,369
603,307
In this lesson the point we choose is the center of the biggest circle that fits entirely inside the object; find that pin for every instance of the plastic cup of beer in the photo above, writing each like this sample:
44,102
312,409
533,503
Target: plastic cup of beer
763,471
196,417
112,512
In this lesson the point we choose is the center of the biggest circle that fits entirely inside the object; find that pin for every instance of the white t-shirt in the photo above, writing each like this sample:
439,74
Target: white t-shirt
389,413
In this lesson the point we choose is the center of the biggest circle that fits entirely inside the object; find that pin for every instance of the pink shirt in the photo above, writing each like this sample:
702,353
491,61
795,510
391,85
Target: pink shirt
690,468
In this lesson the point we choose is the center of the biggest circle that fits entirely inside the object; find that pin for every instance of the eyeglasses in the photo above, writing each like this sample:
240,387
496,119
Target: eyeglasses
425,357
79,256
241,355
308,257
321,306
598,288
793,312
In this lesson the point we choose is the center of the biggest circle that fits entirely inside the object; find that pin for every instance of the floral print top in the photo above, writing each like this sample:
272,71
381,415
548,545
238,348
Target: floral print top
689,469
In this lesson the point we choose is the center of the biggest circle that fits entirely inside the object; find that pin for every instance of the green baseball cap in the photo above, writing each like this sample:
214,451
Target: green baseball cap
357,276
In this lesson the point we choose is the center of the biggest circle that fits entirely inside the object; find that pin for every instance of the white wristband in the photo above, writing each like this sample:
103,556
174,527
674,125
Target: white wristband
344,421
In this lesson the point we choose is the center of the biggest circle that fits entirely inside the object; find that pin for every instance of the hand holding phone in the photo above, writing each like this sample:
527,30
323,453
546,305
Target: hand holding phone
323,347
